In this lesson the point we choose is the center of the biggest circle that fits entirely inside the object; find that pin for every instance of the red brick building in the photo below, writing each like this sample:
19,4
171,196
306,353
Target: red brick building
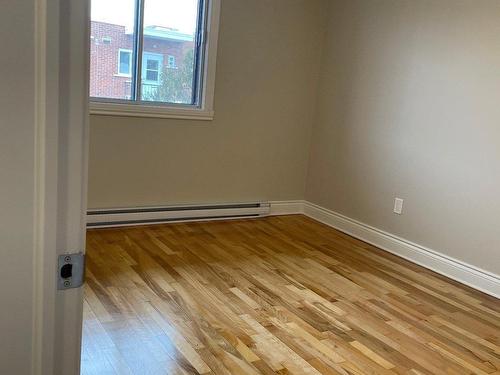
112,63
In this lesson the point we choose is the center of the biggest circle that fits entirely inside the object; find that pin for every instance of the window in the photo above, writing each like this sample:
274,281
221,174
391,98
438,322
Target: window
153,57
124,62
151,69
171,62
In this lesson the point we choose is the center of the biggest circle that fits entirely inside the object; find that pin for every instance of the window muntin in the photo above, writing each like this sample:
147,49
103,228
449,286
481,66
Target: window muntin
169,45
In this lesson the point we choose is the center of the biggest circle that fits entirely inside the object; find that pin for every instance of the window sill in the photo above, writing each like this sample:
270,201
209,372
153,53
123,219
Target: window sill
135,110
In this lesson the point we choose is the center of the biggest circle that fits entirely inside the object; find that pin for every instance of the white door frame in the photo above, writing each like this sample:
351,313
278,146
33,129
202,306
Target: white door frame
61,144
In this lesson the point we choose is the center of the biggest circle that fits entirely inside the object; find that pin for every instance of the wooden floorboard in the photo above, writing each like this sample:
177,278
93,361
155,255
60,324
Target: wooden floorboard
279,295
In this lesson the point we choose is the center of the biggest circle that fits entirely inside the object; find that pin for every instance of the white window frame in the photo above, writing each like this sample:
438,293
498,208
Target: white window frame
152,56
130,52
204,110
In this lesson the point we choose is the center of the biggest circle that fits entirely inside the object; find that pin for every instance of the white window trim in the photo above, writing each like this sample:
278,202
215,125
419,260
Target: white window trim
206,109
129,64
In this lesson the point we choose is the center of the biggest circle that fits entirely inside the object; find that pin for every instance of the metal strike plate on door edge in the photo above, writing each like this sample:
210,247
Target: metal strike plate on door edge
70,271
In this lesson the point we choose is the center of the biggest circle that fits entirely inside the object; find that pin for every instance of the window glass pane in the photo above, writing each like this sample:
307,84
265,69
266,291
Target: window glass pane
125,62
152,75
152,64
112,29
169,33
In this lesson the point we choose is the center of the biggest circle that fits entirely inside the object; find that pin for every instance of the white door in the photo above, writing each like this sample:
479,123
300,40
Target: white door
43,153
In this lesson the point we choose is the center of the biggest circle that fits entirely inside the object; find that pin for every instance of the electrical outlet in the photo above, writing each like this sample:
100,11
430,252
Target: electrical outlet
398,206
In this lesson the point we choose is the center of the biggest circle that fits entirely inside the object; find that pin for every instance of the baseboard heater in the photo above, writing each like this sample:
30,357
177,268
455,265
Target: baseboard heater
115,217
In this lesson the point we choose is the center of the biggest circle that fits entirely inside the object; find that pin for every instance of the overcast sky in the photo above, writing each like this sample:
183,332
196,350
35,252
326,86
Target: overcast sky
177,14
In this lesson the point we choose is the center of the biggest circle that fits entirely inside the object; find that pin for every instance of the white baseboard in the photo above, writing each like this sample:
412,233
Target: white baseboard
287,207
467,274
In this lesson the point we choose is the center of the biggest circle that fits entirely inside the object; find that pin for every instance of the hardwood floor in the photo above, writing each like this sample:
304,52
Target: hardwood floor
280,295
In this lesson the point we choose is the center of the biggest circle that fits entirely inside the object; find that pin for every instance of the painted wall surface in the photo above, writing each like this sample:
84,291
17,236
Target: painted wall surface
16,186
257,147
409,107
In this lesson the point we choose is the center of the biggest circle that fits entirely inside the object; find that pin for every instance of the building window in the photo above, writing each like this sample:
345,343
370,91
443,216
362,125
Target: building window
152,68
171,62
125,62
167,48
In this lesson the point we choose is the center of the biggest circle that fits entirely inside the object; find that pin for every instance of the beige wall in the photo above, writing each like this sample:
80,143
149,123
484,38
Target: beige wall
257,146
410,107
16,186
407,107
